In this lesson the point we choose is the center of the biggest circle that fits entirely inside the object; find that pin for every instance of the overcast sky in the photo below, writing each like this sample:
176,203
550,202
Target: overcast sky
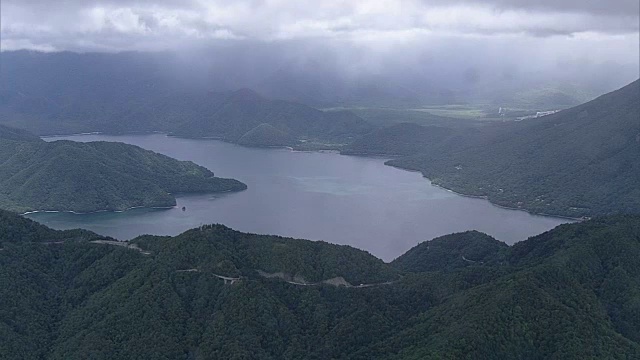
372,35
113,25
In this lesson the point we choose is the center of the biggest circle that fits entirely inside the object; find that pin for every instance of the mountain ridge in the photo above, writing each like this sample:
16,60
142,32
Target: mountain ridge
579,162
568,293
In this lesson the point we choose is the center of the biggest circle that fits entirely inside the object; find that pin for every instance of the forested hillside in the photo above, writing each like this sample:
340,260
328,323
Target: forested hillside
83,177
245,112
583,161
400,140
571,293
61,93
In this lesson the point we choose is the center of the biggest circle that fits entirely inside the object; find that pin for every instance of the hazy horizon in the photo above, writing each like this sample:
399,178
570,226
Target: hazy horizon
412,47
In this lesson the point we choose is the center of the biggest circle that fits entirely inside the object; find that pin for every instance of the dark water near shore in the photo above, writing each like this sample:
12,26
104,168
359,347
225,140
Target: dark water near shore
347,200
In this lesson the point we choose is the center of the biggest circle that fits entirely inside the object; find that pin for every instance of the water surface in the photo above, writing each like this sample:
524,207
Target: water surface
347,200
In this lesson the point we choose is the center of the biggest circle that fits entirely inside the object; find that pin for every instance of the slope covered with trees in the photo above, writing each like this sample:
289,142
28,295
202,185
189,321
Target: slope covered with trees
266,135
84,177
571,293
452,252
583,161
399,140
244,110
61,93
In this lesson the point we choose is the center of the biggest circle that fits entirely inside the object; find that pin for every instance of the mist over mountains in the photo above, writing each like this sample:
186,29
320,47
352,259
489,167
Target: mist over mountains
314,75
532,106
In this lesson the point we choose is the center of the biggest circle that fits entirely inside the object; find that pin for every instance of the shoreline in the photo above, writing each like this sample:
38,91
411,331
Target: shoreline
484,197
375,156
97,211
76,134
372,155
207,138
103,133
177,195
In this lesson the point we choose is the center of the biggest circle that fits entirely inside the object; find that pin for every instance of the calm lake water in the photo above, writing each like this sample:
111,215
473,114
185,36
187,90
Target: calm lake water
347,200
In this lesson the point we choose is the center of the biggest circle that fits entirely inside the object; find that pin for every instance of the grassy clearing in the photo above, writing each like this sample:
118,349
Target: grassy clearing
433,116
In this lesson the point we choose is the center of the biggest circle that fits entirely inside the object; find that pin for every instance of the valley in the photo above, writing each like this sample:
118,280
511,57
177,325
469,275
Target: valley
374,180
348,200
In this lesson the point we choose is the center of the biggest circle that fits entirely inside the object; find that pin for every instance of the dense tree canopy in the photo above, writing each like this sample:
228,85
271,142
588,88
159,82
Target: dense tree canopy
84,177
582,161
571,293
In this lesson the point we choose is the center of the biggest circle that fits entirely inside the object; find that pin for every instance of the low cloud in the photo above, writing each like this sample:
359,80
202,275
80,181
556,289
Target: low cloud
163,24
411,42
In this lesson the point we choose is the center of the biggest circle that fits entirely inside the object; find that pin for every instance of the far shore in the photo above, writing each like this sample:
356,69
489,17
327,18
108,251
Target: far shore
371,155
484,197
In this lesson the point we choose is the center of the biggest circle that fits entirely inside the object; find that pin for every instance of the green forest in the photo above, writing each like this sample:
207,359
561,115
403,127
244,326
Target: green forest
580,162
212,292
83,177
570,293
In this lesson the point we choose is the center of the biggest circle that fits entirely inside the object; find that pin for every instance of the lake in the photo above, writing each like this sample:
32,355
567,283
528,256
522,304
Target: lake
348,200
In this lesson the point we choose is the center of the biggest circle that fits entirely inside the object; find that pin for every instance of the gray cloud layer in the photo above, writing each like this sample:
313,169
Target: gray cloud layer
596,7
408,41
158,24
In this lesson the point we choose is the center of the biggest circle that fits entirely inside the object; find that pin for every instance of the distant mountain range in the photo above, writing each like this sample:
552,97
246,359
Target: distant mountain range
215,293
63,94
258,121
84,177
582,161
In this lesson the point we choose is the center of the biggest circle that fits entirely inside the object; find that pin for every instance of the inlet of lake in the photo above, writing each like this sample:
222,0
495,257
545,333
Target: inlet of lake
356,201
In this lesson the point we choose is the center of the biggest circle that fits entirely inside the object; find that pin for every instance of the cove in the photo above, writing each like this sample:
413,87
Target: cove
356,201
